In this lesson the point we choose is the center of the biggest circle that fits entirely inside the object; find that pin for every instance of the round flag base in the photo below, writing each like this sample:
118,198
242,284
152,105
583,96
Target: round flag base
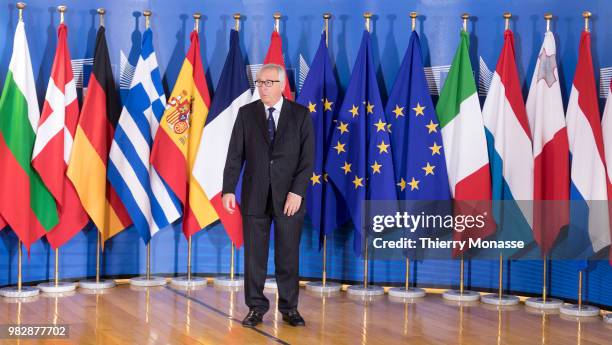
320,288
152,281
540,303
402,292
370,290
184,281
227,281
608,318
575,310
270,284
496,299
14,292
51,287
458,296
92,284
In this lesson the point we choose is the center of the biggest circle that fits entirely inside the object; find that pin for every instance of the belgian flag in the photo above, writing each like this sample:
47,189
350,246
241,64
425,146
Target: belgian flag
92,141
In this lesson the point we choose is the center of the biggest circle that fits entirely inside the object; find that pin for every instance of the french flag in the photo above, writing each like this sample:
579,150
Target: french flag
232,93
510,148
589,217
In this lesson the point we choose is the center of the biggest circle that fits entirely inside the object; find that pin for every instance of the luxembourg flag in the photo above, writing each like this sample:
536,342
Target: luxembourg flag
589,217
510,147
232,93
550,148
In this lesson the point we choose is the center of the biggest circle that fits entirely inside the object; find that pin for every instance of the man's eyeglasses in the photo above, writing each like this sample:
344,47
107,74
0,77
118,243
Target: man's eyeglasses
267,83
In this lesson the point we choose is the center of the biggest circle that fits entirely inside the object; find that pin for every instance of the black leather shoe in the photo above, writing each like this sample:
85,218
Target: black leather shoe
252,319
294,318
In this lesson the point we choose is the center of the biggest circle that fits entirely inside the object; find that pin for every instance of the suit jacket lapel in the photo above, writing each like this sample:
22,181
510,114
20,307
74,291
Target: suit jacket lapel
260,119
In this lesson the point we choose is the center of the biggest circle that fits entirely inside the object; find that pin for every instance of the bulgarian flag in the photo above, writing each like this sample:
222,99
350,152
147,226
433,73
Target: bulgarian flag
53,144
275,56
25,203
464,141
177,140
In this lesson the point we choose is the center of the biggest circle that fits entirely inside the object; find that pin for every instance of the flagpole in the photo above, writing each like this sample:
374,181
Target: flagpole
365,291
190,281
19,291
500,298
323,287
408,293
580,309
461,295
231,281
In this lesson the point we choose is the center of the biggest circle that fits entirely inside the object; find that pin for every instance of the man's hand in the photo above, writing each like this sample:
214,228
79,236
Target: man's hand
229,202
292,204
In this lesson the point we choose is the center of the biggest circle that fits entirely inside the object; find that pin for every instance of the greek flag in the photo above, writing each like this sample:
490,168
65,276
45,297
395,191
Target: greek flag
149,201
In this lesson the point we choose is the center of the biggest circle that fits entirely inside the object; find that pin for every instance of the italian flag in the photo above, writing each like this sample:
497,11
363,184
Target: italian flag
25,203
463,137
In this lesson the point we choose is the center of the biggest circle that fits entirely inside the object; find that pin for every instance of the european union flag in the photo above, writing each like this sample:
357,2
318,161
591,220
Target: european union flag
359,161
320,95
416,138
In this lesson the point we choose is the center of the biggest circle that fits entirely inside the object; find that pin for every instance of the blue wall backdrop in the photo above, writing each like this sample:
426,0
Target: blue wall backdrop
438,24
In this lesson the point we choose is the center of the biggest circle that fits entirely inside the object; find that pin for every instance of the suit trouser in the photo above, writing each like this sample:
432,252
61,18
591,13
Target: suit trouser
287,232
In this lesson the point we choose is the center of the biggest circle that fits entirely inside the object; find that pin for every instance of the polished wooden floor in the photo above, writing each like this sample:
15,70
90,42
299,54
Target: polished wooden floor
165,315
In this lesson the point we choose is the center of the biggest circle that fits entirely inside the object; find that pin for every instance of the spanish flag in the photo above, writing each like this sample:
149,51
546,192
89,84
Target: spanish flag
178,138
92,141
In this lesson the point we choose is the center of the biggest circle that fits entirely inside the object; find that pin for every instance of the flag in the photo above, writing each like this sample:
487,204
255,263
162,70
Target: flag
420,171
25,203
53,144
275,56
149,202
178,138
606,124
92,141
550,147
320,95
463,135
359,161
232,93
589,229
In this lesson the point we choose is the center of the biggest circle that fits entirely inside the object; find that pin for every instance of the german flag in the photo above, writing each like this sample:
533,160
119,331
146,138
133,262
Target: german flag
92,141
178,138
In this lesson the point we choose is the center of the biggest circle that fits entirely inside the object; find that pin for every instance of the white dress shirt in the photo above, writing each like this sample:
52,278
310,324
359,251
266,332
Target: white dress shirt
276,113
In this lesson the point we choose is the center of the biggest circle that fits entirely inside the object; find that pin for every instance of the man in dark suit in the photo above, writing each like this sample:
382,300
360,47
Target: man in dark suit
273,137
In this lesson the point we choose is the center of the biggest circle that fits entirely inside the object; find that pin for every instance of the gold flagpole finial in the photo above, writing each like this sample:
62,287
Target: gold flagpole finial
237,21
20,6
367,16
326,17
586,15
101,12
548,16
196,25
277,16
507,16
61,9
465,18
413,16
147,14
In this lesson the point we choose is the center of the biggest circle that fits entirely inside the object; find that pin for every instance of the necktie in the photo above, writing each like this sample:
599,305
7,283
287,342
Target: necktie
271,126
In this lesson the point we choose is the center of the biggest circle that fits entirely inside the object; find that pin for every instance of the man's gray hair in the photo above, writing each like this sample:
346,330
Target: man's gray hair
277,68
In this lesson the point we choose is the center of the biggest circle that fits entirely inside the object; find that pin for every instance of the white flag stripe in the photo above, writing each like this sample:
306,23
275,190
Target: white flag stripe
163,197
23,75
214,146
127,124
457,144
68,140
588,174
